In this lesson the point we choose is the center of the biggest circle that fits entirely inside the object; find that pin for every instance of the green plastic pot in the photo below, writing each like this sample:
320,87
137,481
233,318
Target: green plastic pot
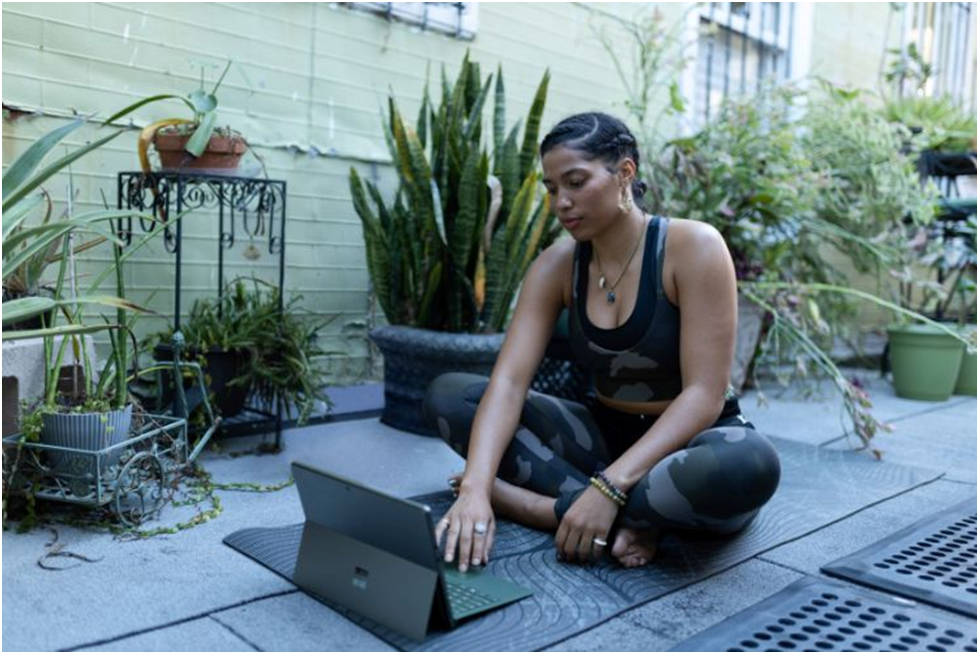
925,362
966,384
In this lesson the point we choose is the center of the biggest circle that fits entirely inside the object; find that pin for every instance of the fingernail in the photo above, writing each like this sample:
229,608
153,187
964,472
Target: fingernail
462,568
448,558
475,561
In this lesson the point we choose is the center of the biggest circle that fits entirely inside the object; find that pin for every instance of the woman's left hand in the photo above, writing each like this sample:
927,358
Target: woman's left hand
584,531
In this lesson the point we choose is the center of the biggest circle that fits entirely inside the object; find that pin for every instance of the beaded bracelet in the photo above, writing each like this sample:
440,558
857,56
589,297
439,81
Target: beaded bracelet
618,492
606,491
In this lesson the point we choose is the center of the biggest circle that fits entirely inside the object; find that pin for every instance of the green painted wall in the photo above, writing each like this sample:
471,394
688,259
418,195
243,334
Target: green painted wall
848,40
306,89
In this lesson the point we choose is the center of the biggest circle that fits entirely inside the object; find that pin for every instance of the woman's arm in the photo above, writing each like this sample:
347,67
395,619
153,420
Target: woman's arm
540,302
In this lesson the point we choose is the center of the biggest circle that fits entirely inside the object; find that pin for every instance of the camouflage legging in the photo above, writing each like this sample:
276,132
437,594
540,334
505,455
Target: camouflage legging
717,483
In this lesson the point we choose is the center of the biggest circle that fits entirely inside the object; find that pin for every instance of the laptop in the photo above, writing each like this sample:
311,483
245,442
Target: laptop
376,555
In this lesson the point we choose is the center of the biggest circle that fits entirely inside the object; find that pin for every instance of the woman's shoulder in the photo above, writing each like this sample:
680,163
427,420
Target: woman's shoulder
693,236
691,228
554,268
695,254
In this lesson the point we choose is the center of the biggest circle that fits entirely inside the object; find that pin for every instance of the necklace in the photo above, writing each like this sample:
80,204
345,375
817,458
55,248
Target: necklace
603,282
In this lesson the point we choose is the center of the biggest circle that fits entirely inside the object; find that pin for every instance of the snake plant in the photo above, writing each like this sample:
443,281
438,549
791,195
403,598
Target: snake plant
448,252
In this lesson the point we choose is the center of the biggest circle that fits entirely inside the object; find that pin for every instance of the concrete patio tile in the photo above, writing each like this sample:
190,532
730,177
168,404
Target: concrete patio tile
365,450
177,566
868,526
942,440
298,623
813,412
202,635
140,584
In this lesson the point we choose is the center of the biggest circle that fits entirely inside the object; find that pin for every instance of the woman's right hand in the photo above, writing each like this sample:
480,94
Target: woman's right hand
469,528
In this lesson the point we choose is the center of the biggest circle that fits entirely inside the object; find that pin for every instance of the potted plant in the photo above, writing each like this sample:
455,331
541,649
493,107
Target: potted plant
27,279
792,191
219,335
96,405
447,254
249,344
925,359
95,411
195,143
283,371
745,174
945,127
874,190
99,413
966,382
956,263
91,410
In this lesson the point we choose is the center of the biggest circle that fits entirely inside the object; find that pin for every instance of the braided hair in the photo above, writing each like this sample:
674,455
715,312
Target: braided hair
597,136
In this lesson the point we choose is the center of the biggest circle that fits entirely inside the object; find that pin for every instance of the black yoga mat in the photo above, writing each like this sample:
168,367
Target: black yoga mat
818,487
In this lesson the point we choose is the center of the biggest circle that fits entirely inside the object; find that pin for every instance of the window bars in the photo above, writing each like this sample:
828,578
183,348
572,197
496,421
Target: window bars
456,18
742,45
944,34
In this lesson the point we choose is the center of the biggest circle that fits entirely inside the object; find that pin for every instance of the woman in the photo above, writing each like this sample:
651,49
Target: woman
660,446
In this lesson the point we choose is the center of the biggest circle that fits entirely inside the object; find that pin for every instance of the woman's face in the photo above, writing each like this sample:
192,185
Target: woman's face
584,194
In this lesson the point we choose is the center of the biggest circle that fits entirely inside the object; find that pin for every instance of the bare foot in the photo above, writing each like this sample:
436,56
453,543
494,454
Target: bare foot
516,503
635,547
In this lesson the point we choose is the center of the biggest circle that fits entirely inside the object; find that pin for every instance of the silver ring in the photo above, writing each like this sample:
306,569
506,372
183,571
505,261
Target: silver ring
598,541
480,527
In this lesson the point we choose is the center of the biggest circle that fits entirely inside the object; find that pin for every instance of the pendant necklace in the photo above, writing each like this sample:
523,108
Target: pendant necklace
603,282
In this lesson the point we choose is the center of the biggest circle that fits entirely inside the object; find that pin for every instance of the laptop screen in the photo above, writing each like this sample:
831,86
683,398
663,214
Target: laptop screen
392,524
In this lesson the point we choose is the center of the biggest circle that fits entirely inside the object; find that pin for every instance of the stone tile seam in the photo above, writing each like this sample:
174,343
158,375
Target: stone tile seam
235,633
933,409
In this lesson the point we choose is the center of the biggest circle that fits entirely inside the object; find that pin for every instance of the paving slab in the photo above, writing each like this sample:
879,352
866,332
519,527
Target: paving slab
202,635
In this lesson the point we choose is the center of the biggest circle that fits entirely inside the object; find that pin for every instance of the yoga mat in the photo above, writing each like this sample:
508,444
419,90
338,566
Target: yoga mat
818,487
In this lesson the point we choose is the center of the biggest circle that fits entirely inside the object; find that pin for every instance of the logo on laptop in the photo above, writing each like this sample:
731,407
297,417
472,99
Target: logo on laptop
359,579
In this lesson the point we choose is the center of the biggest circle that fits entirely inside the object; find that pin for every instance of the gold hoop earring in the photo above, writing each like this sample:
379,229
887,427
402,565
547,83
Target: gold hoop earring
625,201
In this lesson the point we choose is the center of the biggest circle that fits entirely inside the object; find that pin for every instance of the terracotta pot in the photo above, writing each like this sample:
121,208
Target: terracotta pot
221,156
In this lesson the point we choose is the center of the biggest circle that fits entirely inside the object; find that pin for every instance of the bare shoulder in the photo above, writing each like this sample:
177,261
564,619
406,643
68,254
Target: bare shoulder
559,255
553,268
689,237
696,255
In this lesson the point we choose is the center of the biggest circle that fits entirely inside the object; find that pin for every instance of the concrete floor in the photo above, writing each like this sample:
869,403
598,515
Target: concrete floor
189,592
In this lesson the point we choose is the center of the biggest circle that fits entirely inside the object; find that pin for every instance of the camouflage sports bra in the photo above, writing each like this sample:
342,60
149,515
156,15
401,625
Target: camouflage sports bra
638,361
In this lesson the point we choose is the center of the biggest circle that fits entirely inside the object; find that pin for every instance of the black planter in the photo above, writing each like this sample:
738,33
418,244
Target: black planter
221,368
415,357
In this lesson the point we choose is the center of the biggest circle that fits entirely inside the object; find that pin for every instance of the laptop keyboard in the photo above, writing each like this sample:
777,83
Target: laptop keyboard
464,599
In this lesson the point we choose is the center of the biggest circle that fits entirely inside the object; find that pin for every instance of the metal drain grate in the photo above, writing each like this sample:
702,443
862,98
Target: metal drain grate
821,616
933,561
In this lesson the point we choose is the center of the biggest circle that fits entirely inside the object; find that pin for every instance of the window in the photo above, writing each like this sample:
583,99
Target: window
459,19
944,35
741,45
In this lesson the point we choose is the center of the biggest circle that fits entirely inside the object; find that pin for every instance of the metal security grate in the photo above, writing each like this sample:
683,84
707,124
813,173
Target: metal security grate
816,615
933,561
947,557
